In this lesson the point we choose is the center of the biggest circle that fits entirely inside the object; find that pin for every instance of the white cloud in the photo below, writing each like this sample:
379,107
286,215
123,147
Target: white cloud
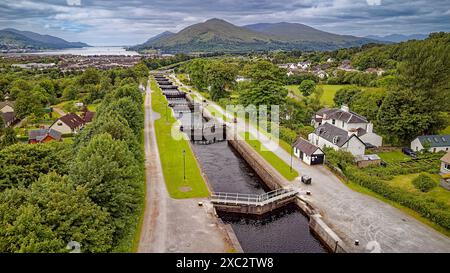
373,2
74,2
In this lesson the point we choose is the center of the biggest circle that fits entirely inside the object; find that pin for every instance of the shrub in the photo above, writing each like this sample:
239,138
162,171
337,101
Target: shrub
424,182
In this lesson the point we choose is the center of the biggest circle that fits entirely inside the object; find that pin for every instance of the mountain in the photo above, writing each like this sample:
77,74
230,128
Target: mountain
158,37
13,39
216,35
294,32
398,38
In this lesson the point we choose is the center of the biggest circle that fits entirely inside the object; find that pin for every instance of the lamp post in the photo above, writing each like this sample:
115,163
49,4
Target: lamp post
292,147
184,165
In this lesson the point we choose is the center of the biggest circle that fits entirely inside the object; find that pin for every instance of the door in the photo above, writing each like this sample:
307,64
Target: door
317,159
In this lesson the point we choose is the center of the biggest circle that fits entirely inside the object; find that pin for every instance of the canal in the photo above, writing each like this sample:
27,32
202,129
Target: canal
283,231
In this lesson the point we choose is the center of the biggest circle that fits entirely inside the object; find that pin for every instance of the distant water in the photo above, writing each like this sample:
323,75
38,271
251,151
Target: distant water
91,51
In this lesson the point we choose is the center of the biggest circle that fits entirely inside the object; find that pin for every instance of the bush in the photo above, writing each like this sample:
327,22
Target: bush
424,182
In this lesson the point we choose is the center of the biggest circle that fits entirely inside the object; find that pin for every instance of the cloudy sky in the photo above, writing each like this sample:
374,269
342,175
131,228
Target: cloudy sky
127,22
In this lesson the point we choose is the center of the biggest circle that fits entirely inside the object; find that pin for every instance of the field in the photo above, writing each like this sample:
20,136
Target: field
281,166
329,91
171,153
446,131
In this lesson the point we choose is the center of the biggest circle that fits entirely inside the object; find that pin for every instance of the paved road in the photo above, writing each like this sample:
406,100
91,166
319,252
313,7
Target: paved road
354,216
174,225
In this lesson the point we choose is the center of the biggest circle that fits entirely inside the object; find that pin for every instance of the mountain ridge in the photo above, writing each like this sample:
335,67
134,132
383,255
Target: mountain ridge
216,35
13,39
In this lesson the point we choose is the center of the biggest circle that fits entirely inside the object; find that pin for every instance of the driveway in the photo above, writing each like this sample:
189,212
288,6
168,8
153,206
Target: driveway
174,225
378,226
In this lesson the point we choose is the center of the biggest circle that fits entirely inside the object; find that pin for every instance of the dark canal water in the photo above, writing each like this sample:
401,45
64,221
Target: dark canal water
284,231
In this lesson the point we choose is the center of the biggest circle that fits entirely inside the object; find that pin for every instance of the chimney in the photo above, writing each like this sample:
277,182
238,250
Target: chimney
345,108
369,127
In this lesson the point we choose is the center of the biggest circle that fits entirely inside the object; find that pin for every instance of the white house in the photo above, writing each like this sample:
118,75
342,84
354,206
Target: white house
328,135
68,124
304,65
348,121
435,143
322,74
309,153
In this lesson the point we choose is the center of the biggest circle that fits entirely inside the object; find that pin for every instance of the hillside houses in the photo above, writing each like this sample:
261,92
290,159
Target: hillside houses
43,136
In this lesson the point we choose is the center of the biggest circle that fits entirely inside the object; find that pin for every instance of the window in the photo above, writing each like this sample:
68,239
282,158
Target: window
434,150
342,124
447,166
333,121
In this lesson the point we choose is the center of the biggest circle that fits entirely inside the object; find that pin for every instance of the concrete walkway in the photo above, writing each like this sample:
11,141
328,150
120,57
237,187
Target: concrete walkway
378,226
174,225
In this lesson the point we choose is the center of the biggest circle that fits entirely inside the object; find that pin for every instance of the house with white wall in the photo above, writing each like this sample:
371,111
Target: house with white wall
434,143
348,121
68,124
307,152
330,136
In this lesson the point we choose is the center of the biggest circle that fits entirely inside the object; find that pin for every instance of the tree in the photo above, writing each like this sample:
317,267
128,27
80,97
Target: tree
89,76
266,93
110,174
219,76
29,103
262,70
345,95
48,215
70,93
307,87
7,137
130,111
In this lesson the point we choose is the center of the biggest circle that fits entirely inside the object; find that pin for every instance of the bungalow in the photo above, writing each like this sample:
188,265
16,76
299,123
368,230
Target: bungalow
328,135
68,124
43,136
6,106
377,71
309,153
348,121
435,143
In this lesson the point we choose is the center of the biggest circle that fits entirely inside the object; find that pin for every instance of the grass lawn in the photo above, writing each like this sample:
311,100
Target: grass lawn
394,156
272,159
171,153
329,91
93,107
438,193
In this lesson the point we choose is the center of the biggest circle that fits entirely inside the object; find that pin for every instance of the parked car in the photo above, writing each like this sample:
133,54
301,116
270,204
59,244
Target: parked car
306,179
409,151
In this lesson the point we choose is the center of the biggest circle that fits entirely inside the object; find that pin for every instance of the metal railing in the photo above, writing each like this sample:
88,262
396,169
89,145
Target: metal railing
252,199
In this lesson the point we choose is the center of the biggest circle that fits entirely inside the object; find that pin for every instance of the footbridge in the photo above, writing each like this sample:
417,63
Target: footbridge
253,203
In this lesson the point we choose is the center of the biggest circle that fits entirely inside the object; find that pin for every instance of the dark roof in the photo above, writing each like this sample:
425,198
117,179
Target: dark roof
305,146
339,114
334,134
88,116
72,120
435,140
41,134
9,117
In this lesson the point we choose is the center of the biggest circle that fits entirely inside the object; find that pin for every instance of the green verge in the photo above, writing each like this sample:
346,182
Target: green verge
171,154
281,166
